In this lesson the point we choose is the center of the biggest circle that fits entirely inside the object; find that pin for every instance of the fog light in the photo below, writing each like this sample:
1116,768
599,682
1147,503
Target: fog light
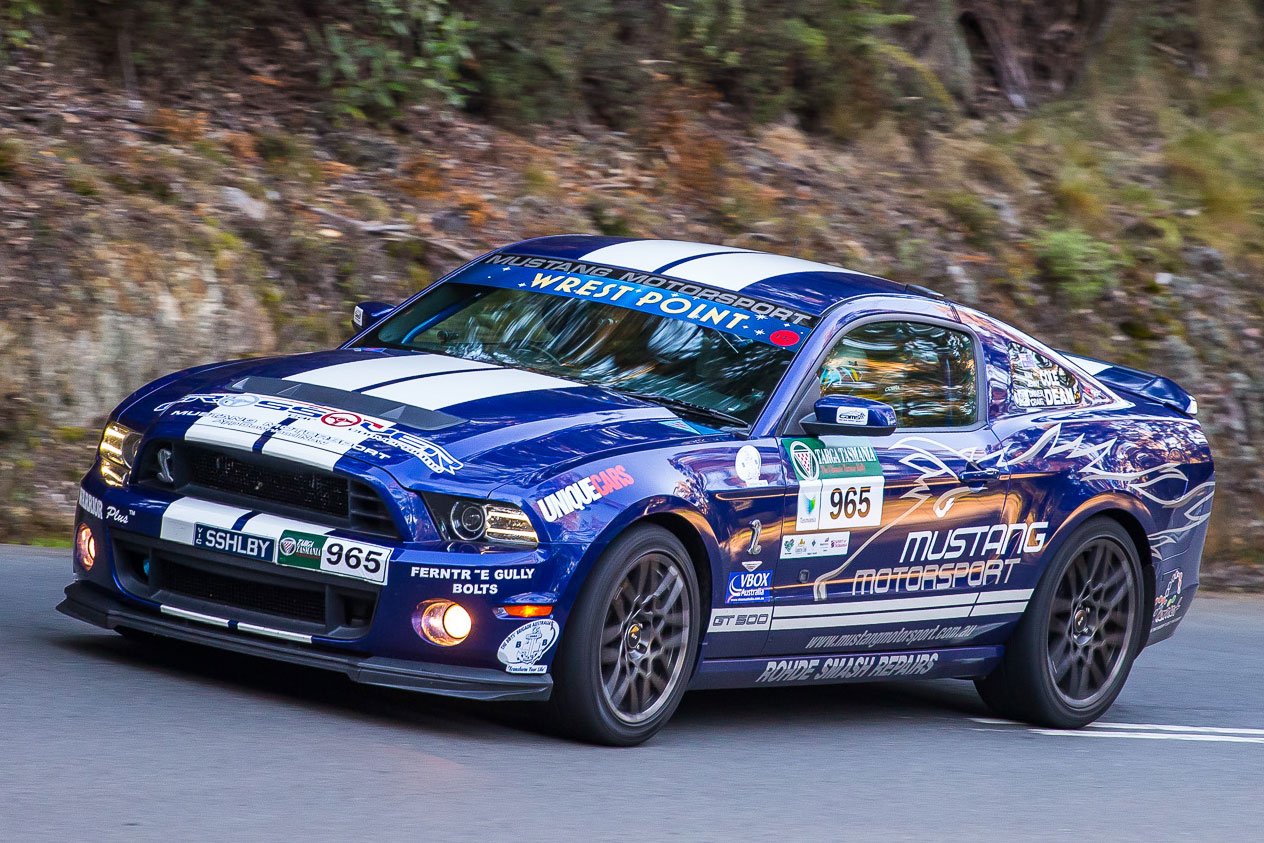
86,547
442,622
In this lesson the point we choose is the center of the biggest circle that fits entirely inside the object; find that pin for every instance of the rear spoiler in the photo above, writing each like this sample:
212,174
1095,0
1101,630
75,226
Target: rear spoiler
1135,382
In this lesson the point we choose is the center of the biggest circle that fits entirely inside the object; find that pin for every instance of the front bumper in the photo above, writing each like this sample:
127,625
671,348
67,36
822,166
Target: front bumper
93,604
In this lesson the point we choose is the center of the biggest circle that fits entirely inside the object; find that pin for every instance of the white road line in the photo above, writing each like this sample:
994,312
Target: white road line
1154,731
1151,736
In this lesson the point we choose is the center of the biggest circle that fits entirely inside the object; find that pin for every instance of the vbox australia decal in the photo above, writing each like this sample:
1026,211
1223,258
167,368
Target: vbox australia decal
749,587
578,495
526,645
285,420
839,486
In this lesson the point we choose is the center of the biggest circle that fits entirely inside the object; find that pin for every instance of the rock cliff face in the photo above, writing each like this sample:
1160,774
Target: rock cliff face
143,234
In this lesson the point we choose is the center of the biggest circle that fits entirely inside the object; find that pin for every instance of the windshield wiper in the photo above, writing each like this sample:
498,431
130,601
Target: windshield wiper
685,407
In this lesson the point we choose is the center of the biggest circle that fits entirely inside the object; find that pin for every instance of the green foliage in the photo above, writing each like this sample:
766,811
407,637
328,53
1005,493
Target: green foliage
815,58
979,219
411,51
1082,268
16,17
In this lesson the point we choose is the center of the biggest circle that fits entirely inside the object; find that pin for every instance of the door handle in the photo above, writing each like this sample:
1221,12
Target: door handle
976,477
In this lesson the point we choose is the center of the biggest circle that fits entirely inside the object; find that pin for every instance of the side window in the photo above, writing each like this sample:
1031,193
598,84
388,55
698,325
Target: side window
926,372
1036,382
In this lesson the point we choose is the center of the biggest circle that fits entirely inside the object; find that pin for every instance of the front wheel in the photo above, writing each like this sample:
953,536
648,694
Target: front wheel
1071,653
630,644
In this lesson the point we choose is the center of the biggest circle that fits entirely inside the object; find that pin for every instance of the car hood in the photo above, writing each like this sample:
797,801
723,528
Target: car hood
431,421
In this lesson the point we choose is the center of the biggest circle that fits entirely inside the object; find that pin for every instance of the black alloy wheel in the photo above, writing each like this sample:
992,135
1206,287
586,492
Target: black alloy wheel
628,649
1069,656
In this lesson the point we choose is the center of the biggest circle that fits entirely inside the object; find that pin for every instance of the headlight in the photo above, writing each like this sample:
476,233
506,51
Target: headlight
118,453
467,520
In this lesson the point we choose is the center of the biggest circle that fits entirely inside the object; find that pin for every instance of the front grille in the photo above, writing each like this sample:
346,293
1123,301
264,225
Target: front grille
297,603
224,472
207,582
260,482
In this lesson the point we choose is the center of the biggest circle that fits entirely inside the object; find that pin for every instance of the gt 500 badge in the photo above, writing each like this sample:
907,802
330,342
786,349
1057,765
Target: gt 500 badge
525,646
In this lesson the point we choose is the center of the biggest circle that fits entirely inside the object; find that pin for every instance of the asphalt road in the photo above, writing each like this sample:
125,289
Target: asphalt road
104,739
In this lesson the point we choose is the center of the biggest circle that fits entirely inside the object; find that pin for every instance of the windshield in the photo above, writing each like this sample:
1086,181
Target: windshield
644,342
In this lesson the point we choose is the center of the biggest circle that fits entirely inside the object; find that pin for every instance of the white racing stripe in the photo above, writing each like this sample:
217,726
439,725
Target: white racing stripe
180,516
738,271
962,601
984,609
832,621
361,373
901,610
649,255
441,391
298,452
234,427
272,526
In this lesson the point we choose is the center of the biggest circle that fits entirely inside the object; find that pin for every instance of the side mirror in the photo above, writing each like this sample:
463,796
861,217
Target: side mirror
845,414
367,313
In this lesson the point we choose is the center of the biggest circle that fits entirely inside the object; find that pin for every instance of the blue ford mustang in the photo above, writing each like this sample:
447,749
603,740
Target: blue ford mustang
598,472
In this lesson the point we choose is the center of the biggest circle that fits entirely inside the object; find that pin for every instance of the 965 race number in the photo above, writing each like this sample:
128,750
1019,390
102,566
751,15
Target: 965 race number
828,504
333,555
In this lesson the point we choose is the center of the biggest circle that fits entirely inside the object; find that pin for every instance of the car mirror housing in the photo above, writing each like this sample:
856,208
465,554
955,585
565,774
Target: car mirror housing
849,415
368,313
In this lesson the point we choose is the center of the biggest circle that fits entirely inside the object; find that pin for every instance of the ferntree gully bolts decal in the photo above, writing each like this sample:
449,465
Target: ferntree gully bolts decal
298,422
717,309
839,486
581,493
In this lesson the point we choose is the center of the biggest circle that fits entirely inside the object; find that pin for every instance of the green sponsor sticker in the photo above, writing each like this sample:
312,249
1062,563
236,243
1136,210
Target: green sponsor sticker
300,550
814,460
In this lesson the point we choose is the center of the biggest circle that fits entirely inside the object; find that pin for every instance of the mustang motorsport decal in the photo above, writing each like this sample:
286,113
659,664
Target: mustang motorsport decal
839,486
526,645
579,494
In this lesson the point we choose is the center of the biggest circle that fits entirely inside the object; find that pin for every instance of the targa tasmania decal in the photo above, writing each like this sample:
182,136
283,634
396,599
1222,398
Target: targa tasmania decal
839,485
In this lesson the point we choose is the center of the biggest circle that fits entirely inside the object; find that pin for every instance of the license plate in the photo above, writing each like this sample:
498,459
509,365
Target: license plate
233,542
333,555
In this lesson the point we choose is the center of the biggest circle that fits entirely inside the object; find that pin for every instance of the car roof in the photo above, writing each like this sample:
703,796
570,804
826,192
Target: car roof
804,285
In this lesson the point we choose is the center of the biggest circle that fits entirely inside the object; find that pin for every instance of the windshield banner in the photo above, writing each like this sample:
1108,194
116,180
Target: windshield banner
710,312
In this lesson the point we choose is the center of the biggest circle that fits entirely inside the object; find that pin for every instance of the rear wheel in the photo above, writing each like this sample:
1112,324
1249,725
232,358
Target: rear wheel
1071,653
630,644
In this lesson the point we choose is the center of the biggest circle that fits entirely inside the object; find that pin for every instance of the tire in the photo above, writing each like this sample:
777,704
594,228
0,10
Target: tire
626,655
1071,653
